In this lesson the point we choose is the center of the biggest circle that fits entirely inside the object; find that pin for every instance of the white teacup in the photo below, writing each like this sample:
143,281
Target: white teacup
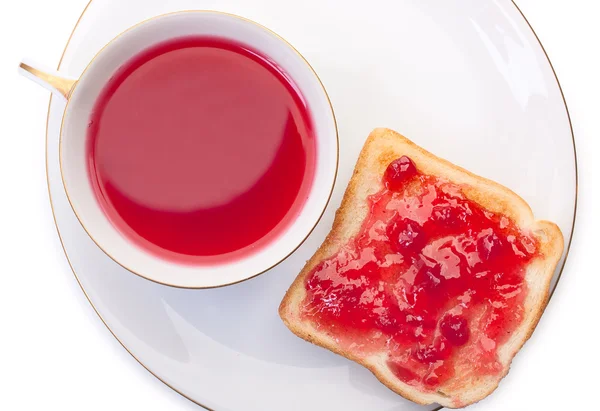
83,93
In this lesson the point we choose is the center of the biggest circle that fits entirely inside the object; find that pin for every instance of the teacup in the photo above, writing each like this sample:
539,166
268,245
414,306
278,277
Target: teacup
82,95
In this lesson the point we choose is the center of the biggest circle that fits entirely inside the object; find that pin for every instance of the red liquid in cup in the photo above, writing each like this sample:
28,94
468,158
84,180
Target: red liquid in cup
201,150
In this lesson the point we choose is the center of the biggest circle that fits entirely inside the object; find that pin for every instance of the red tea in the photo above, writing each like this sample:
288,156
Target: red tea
201,149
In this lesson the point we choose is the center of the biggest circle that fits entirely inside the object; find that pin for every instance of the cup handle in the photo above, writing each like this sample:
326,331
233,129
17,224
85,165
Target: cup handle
47,78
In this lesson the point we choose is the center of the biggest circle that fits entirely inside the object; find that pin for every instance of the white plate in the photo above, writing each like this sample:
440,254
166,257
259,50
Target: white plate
466,79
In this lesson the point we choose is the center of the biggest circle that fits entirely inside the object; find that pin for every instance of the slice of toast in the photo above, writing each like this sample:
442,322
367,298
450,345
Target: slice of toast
382,147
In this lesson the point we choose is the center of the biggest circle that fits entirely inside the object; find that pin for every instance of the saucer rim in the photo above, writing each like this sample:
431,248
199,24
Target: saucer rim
567,250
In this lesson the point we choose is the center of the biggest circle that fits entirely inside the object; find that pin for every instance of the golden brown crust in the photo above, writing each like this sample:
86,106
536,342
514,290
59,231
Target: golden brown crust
382,147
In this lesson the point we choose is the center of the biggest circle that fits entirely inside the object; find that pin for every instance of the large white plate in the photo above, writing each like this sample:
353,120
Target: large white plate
466,79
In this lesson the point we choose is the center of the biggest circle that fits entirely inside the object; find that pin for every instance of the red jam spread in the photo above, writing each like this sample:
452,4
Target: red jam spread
432,278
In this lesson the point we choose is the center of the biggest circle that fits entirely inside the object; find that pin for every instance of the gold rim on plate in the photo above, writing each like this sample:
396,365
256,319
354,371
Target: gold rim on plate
140,362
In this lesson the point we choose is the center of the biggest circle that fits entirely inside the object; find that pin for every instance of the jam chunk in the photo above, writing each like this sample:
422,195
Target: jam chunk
399,172
431,275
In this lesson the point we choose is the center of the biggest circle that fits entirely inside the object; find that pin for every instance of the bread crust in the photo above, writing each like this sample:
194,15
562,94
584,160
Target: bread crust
381,148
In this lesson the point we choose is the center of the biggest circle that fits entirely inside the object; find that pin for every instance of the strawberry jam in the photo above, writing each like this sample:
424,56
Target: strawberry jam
432,278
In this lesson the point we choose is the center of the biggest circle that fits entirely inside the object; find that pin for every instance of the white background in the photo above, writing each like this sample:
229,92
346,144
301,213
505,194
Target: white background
56,353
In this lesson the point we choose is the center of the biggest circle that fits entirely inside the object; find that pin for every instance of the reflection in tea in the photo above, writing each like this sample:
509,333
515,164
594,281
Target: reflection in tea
200,149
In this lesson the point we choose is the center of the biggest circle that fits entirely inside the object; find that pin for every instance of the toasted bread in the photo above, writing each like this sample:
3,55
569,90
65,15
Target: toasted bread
382,147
